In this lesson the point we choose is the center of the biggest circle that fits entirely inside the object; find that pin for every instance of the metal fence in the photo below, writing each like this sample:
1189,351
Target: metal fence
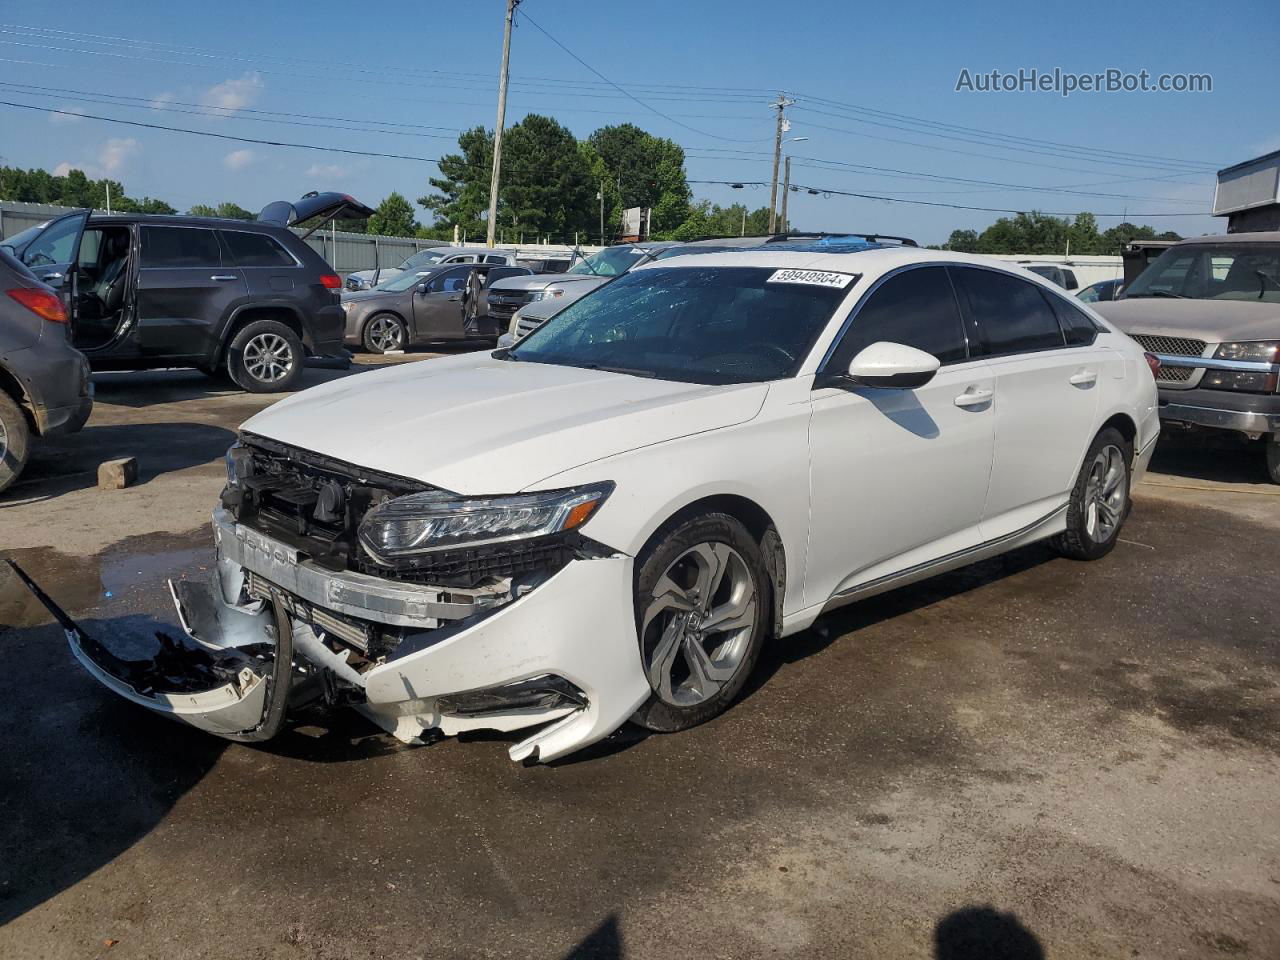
345,252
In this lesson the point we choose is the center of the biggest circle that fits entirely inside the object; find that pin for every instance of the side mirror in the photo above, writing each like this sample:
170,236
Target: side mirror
422,289
893,366
506,341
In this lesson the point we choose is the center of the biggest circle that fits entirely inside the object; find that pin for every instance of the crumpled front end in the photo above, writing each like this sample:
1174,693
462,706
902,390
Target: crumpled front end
548,642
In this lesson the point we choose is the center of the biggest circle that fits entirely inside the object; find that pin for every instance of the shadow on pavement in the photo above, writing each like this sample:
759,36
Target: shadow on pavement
1221,457
982,933
602,943
84,775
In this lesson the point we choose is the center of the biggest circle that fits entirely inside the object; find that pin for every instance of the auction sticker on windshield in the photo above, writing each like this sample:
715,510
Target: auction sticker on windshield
817,278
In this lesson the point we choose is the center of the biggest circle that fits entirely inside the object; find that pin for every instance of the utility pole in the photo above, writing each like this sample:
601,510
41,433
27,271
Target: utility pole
786,188
783,126
502,118
108,199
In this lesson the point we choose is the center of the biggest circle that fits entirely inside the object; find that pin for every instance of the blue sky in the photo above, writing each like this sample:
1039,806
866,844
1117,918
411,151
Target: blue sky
710,66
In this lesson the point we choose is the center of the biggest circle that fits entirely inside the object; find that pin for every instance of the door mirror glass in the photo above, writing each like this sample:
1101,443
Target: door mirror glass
892,365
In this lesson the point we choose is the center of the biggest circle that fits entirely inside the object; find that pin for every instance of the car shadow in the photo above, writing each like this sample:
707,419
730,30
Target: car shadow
60,465
983,933
1218,457
75,790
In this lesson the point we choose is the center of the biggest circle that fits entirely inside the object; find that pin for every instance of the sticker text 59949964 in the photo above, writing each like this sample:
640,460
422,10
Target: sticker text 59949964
817,278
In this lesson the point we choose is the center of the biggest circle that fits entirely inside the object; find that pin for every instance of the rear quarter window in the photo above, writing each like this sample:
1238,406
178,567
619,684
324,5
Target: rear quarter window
256,250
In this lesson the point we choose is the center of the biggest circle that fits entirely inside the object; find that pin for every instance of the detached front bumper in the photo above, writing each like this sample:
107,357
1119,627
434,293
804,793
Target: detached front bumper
271,630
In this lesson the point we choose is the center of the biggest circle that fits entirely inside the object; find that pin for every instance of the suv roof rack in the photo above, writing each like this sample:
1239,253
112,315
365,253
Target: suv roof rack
824,236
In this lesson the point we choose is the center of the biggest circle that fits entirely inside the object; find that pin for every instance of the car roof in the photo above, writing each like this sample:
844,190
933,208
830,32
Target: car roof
176,220
866,258
1268,236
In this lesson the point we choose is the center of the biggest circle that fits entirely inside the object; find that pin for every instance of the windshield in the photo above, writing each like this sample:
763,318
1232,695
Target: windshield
609,262
1245,271
400,282
697,324
420,261
19,240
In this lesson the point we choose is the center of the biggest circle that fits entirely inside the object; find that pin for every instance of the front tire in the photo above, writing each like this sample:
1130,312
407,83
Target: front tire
1273,458
702,600
15,440
265,357
383,333
1099,500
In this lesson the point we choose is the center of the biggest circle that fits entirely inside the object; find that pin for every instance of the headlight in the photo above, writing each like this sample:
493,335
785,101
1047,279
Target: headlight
1248,381
239,463
424,522
550,293
1259,351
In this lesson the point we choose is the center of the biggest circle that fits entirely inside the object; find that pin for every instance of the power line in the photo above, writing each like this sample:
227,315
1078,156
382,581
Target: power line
831,191
525,17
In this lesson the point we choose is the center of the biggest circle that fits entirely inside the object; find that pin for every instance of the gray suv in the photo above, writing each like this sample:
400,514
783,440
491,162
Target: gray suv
246,297
44,381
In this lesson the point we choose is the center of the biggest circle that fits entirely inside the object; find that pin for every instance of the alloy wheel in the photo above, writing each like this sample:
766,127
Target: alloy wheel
268,358
4,441
1104,494
386,333
696,628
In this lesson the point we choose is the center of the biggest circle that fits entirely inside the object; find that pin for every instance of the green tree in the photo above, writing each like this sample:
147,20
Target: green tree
647,171
962,241
546,181
74,189
393,218
463,184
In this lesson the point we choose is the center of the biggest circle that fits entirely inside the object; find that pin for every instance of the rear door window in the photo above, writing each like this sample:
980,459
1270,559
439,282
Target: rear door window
1011,314
256,250
179,247
916,308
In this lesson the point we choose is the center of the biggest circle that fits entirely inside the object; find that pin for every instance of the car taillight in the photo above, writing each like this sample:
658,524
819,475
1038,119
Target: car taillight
331,280
41,302
1154,363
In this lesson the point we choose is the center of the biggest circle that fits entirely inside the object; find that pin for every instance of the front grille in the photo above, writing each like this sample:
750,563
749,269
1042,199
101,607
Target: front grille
1171,346
1175,374
526,326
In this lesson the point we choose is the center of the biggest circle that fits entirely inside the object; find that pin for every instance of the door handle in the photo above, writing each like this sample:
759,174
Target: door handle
1083,378
974,397
223,276
51,276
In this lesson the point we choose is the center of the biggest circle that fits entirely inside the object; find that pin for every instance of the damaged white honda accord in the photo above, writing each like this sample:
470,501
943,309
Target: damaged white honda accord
604,523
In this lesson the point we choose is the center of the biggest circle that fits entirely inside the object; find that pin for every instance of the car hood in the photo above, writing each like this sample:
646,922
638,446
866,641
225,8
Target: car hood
386,273
477,425
357,296
540,280
1210,320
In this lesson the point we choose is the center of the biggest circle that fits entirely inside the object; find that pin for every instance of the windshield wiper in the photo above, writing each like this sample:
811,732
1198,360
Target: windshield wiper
607,369
1157,293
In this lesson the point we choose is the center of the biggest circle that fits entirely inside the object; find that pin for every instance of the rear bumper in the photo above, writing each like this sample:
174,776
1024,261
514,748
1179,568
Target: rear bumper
562,657
1253,413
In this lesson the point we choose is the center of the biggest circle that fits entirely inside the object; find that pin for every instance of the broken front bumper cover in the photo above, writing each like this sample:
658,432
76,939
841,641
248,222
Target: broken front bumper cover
267,629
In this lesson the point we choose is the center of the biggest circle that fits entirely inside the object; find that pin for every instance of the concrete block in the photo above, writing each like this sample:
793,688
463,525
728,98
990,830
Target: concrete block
118,474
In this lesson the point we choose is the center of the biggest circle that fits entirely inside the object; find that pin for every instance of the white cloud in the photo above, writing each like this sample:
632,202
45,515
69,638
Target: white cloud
237,159
112,157
116,151
234,94
326,171
161,100
69,115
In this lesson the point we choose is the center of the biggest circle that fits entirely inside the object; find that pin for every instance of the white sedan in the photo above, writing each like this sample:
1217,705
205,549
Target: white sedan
606,522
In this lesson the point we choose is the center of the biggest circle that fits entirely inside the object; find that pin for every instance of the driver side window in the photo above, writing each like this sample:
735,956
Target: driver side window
916,308
451,281
55,245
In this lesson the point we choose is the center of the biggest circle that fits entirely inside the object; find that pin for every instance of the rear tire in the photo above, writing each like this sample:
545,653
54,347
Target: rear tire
702,598
1099,500
15,439
384,332
265,357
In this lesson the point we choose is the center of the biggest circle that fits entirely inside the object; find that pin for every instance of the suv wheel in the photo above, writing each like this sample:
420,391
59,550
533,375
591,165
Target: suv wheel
265,357
702,603
15,435
1273,457
1099,500
383,333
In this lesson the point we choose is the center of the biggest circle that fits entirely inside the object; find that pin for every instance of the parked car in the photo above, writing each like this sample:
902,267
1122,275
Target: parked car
1101,292
561,289
147,291
425,260
1209,308
448,302
1064,277
605,522
44,380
